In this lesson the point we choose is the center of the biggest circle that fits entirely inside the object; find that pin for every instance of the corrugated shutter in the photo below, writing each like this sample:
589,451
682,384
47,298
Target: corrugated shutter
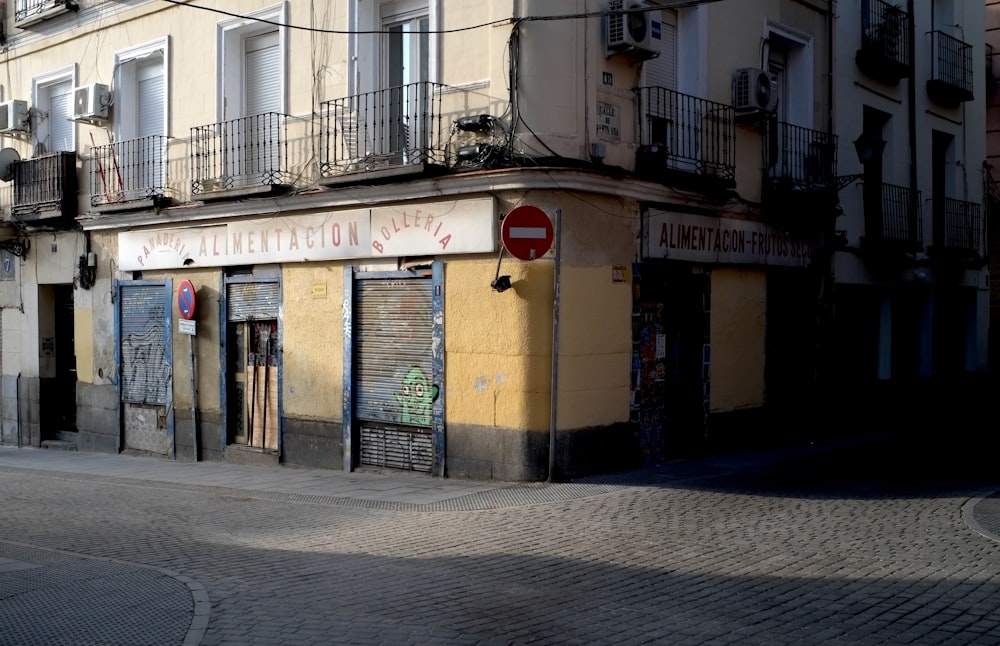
252,301
662,70
60,118
149,89
145,373
263,74
394,372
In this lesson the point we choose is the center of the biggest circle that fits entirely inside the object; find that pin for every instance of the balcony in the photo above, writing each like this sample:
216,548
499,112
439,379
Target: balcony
32,12
129,174
885,42
892,218
45,191
958,229
395,131
800,170
240,157
685,140
951,70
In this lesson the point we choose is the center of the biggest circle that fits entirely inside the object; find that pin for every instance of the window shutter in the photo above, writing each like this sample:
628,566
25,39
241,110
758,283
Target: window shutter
149,103
662,70
60,118
263,74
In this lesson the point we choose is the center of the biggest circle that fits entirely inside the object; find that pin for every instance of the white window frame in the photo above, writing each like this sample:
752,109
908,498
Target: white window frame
230,34
41,87
123,70
798,76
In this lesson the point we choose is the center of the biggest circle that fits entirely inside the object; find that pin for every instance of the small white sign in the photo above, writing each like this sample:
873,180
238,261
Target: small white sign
186,327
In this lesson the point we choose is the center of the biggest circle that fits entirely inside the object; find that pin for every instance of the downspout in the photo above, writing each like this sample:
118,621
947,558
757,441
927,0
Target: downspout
554,385
912,110
18,406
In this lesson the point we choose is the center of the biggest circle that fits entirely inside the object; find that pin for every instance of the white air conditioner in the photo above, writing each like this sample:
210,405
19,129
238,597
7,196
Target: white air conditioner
91,102
632,32
754,90
14,116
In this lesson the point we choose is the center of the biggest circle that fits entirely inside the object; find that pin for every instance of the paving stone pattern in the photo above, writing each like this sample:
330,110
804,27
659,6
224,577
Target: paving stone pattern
789,555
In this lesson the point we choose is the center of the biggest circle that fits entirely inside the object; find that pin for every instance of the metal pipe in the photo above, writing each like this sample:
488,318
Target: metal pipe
194,399
554,385
18,404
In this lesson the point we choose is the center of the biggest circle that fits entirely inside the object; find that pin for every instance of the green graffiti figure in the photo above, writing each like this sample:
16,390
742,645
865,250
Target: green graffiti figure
416,398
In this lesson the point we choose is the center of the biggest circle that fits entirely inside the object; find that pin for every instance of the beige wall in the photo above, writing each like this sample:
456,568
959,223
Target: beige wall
738,324
313,340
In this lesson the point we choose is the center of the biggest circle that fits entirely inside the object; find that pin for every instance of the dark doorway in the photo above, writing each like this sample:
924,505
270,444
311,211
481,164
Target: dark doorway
58,359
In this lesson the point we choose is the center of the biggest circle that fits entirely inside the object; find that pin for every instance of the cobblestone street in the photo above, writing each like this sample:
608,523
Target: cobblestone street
780,551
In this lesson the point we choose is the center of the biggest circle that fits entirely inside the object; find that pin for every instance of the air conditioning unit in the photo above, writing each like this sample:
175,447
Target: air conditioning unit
91,102
754,90
632,32
14,116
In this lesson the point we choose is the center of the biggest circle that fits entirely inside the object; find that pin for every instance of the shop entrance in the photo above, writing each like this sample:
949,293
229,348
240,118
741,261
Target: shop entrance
252,363
670,358
398,370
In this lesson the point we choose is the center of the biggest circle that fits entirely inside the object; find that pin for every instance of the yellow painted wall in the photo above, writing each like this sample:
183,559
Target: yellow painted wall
313,357
83,343
738,326
595,347
497,345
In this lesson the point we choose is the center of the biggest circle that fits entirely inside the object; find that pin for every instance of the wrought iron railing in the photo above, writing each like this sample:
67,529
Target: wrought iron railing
388,128
894,215
129,170
963,225
692,134
240,153
25,10
885,31
800,158
952,61
45,183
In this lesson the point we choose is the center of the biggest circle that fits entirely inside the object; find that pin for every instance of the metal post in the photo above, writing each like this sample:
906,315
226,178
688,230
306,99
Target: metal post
554,386
194,398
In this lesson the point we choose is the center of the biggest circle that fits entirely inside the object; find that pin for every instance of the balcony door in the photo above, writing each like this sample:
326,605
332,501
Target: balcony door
404,69
138,154
252,98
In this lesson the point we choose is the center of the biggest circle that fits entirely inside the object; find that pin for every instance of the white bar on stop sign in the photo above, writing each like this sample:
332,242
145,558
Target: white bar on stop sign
527,232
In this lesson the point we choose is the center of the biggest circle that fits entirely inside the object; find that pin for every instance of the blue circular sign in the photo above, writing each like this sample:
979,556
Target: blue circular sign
186,300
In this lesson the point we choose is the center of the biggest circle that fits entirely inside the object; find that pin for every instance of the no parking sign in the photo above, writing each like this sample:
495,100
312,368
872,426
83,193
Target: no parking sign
186,300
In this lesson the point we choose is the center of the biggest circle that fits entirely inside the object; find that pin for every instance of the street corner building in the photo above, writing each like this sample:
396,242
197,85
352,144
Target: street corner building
497,240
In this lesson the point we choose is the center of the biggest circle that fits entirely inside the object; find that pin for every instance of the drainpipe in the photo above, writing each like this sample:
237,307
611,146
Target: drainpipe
554,386
18,406
912,99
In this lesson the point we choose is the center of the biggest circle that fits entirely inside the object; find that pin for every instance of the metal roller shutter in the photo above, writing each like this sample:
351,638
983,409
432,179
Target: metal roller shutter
145,372
393,372
252,301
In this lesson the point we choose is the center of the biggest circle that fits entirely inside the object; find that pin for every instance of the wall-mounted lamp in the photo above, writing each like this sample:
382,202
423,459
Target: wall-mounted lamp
868,147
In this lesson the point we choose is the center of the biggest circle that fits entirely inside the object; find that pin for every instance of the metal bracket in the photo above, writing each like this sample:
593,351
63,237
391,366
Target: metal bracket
17,247
843,181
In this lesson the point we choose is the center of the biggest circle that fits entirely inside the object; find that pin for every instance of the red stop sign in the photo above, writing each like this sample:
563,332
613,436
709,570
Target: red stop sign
526,232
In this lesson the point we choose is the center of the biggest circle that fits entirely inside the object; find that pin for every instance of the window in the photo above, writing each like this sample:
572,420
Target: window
406,54
139,151
52,123
251,71
251,102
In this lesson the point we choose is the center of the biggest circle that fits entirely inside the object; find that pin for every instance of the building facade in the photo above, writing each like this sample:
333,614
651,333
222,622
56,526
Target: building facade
911,279
275,232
